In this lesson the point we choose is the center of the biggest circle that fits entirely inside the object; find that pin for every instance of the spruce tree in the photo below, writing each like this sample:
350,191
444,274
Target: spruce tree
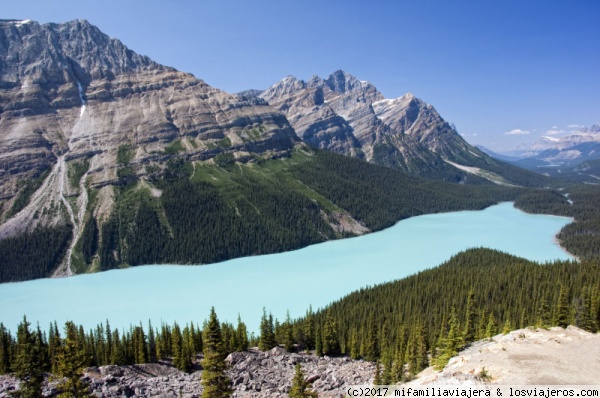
543,316
491,328
319,343
215,381
5,340
287,334
309,329
152,357
267,332
377,380
372,343
331,342
300,386
354,345
451,343
27,365
561,314
507,327
71,361
416,349
241,335
185,359
387,360
470,331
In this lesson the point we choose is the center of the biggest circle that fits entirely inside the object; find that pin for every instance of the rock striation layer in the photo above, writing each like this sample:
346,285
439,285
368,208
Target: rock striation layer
349,116
68,92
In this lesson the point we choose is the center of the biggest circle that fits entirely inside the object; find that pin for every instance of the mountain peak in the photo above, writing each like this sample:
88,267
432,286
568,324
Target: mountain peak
342,81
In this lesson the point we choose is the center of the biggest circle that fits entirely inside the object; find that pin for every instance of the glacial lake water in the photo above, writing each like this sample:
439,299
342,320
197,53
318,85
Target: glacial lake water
315,275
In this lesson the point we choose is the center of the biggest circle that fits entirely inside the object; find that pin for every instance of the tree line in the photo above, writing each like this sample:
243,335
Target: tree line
405,325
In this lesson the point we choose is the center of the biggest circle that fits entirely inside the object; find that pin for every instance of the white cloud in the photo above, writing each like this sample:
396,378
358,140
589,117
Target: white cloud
517,132
554,127
555,132
575,126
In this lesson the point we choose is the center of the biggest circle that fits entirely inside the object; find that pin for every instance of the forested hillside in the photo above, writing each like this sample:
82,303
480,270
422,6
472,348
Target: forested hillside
197,213
476,294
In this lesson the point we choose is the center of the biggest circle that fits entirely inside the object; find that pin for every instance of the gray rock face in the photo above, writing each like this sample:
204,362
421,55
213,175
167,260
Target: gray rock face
68,91
349,116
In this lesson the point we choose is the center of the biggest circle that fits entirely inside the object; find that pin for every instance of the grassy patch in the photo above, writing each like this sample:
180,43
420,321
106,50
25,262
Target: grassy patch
29,187
124,154
76,170
174,147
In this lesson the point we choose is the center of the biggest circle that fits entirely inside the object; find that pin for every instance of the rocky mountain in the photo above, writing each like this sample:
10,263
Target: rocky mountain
349,116
109,159
79,110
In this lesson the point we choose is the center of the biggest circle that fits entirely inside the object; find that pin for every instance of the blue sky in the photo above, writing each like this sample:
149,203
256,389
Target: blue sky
527,68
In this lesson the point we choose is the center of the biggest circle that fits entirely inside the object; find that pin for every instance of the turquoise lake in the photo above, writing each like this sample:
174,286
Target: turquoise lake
315,275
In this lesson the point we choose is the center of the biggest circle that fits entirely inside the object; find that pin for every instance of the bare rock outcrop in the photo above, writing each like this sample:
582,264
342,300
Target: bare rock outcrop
524,357
253,374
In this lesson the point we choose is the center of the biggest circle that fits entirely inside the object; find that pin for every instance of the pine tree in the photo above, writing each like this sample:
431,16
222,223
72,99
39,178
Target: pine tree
584,318
469,331
507,327
215,381
543,316
318,343
287,335
267,332
354,345
309,329
152,356
177,346
386,361
27,364
377,380
491,328
331,342
185,359
416,349
481,325
54,344
561,315
451,343
372,343
300,386
71,361
5,340
242,335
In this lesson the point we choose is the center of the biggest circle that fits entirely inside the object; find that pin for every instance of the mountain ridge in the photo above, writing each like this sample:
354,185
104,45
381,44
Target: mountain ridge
113,146
349,116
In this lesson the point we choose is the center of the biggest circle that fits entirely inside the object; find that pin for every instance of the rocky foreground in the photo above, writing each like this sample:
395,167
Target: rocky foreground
523,357
253,373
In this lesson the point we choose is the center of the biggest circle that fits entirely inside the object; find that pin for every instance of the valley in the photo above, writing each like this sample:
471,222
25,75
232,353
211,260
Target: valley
339,228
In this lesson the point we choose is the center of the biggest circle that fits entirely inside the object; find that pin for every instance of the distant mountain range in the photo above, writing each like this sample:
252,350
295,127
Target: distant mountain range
557,156
100,142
